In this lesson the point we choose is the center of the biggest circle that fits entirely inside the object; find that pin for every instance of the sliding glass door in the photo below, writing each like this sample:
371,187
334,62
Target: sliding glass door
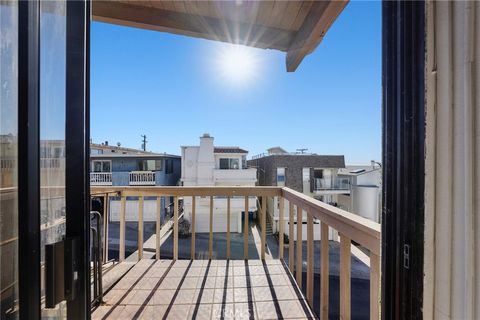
44,206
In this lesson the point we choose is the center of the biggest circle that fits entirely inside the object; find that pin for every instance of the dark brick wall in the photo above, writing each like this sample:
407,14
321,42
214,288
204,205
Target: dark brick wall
293,164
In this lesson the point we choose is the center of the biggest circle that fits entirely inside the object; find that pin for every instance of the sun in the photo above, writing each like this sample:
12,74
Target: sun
238,64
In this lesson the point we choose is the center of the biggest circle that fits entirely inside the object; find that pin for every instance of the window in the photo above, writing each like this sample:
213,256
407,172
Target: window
102,166
229,163
158,165
281,177
168,166
150,165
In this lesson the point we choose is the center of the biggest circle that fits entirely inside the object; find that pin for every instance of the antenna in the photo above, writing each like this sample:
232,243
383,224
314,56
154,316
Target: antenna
302,150
144,142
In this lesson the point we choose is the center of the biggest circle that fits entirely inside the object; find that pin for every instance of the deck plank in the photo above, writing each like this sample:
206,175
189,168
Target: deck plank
163,288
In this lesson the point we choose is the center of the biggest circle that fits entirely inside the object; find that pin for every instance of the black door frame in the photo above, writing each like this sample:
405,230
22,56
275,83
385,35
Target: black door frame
77,133
77,149
28,159
403,159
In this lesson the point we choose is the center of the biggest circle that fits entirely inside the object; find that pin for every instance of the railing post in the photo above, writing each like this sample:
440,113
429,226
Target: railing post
281,225
324,271
140,228
374,286
263,226
310,252
175,229
210,239
345,270
298,270
228,227
192,246
245,230
121,250
106,209
291,238
157,229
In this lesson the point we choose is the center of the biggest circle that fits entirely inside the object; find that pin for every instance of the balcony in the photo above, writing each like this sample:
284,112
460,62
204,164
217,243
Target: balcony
101,178
252,281
322,184
230,177
141,178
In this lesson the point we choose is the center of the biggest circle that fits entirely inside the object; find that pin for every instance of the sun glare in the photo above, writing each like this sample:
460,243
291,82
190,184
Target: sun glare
237,63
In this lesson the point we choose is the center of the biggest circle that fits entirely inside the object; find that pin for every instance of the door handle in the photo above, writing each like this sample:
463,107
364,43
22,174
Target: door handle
61,271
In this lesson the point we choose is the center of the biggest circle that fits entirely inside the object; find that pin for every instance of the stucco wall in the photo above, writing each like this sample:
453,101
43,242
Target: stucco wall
452,185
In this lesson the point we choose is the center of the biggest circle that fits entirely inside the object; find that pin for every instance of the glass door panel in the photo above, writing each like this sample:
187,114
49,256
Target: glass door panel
52,133
9,160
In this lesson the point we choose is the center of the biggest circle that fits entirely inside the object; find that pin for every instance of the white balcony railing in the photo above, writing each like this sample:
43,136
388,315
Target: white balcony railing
332,184
141,178
101,178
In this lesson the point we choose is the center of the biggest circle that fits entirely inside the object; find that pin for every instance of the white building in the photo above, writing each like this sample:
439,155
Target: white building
364,198
207,165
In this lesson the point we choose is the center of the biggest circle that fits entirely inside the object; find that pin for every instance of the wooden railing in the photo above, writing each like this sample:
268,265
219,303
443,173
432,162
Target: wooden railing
349,226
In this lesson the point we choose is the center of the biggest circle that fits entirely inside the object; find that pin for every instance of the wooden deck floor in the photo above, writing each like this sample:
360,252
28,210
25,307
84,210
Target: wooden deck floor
203,289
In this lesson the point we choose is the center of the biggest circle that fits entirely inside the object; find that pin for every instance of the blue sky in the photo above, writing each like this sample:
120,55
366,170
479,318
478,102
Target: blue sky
172,89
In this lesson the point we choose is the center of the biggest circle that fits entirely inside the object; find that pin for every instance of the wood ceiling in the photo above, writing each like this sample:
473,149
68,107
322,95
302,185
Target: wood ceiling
295,27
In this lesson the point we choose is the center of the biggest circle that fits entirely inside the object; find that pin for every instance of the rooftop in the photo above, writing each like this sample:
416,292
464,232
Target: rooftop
229,150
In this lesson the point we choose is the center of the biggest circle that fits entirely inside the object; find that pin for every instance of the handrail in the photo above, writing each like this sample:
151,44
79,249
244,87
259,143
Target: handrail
350,227
239,191
360,229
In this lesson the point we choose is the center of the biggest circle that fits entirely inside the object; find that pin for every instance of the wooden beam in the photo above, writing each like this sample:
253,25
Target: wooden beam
228,227
319,19
245,230
210,237
121,244
192,25
157,229
263,223
345,272
192,246
140,228
324,272
281,227
291,240
299,267
175,229
199,191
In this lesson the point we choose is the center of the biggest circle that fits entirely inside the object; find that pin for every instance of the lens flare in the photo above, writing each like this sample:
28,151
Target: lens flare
237,64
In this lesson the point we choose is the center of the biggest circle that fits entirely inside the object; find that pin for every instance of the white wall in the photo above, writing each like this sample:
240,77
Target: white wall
452,180
200,168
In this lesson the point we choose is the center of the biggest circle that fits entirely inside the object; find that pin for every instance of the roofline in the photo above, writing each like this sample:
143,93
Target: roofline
119,155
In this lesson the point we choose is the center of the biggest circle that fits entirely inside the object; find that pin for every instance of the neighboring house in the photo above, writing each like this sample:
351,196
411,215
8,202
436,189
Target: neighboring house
209,165
134,169
119,166
364,198
106,148
312,174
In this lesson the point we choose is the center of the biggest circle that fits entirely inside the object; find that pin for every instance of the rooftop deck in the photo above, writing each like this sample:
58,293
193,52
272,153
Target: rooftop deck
205,289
